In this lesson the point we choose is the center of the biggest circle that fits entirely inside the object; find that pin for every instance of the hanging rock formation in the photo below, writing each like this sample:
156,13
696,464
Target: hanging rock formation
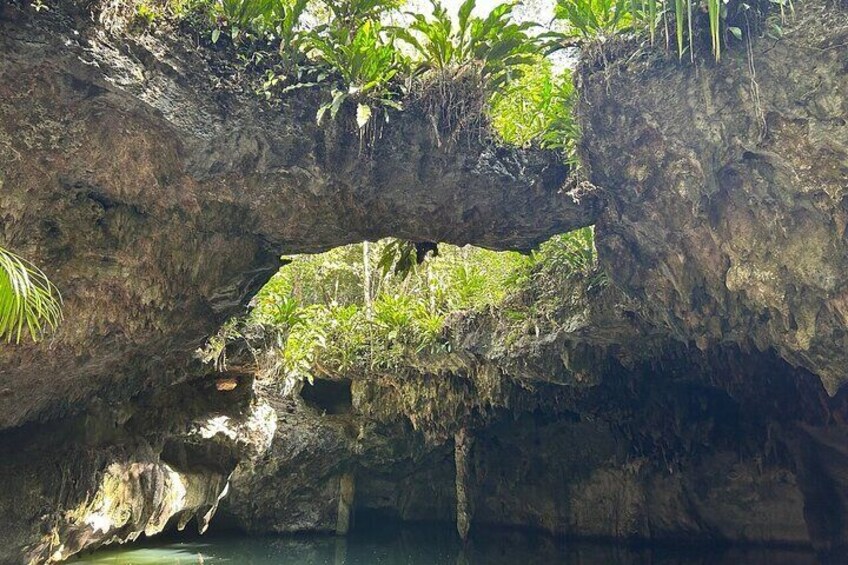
119,471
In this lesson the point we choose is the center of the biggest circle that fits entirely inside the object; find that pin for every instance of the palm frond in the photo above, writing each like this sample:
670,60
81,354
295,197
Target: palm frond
29,302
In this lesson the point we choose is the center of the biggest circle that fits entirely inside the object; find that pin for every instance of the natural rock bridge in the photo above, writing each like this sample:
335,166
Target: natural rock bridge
159,201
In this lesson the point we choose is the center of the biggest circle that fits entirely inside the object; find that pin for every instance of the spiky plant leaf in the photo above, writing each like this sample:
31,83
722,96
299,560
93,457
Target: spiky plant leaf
29,302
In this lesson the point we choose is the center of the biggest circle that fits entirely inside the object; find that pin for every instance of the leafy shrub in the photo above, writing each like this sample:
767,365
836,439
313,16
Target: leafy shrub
538,108
573,252
240,15
366,63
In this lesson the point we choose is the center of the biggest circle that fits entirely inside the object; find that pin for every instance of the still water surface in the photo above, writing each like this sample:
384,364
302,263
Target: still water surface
425,545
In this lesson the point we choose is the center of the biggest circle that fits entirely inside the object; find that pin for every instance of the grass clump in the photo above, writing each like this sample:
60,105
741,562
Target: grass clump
495,45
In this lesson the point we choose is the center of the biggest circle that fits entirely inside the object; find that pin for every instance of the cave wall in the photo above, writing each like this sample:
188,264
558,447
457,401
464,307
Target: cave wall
116,472
679,449
158,194
725,187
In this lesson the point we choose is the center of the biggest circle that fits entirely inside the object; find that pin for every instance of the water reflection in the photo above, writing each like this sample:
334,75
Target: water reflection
428,545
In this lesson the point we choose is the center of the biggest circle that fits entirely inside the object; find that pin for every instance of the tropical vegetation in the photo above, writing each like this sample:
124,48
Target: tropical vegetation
29,302
372,53
347,312
377,308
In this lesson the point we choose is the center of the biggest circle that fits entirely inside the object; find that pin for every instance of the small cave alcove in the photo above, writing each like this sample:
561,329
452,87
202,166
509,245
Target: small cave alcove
328,396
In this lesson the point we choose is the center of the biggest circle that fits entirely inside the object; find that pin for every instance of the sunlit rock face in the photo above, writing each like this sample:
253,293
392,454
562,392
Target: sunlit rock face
115,473
133,498
726,189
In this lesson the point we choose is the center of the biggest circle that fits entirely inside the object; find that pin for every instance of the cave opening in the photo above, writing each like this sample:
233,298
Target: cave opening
423,446
328,396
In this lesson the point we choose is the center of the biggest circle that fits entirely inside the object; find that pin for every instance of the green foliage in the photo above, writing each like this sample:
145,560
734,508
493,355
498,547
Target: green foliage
284,21
499,45
313,317
28,300
366,63
240,15
350,14
316,310
398,256
538,108
358,50
590,18
343,46
268,20
573,252
566,256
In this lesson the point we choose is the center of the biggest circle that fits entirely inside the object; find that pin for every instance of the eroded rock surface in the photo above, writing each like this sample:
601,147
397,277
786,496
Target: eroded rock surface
114,473
682,402
679,448
726,188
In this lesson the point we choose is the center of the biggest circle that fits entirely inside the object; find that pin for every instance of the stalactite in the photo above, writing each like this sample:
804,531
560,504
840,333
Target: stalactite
463,441
347,489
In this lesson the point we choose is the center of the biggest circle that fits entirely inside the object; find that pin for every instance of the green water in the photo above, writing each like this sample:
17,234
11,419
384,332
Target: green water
426,545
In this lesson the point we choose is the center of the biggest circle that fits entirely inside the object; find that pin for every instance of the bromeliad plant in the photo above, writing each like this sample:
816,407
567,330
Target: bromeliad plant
591,18
497,44
365,60
356,48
